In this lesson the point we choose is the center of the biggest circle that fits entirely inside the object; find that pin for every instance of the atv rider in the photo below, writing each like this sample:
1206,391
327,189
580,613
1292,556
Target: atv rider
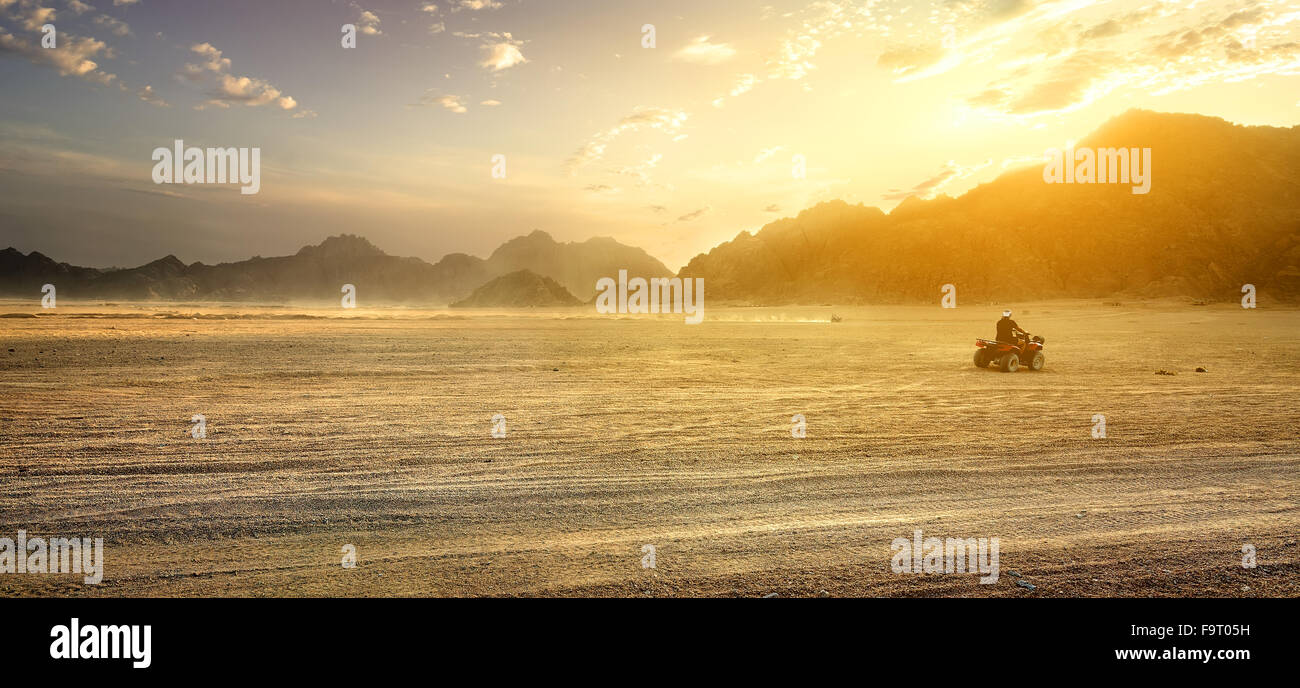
1008,329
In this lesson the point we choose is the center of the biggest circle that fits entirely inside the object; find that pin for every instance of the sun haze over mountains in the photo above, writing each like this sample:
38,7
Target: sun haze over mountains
672,138
1220,214
1223,211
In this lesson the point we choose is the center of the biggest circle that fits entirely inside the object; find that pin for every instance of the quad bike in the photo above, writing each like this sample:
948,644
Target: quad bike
1009,357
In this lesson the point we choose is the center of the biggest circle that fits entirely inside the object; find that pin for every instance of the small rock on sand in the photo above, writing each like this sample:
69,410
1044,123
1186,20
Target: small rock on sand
1026,585
771,595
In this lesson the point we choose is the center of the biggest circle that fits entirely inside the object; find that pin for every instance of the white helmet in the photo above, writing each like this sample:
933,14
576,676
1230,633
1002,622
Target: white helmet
1006,313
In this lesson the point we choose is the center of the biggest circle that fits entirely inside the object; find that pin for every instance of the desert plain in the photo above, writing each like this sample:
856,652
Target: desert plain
374,428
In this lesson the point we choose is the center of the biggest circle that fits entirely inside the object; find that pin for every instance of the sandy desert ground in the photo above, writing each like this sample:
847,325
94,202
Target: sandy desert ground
373,428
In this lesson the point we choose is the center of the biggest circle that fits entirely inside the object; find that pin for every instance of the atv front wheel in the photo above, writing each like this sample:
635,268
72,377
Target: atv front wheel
1036,363
1010,363
981,358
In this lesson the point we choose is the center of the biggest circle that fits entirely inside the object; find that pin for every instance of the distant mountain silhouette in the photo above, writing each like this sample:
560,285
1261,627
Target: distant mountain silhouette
575,265
317,273
1223,211
519,289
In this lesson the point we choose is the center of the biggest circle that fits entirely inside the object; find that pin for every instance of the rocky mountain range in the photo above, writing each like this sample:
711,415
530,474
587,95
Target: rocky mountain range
1222,211
317,273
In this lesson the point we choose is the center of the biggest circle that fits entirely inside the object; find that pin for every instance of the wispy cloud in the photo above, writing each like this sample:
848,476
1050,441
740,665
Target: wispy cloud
660,119
701,51
498,50
695,214
929,187
476,5
116,26
446,101
147,95
767,153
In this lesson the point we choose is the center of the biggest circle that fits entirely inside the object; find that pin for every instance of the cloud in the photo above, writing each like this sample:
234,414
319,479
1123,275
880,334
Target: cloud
250,91
228,89
72,57
1241,18
822,21
502,55
124,3
1007,9
744,83
147,95
907,59
766,153
1118,25
433,97
117,26
431,9
1074,64
641,171
490,102
212,59
476,5
792,57
1106,29
37,17
774,208
451,102
990,98
657,119
78,7
695,214
368,23
1067,86
927,188
701,51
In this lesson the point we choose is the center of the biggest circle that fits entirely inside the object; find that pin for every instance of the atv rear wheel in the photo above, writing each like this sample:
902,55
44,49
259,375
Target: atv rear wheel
1036,363
981,358
1010,363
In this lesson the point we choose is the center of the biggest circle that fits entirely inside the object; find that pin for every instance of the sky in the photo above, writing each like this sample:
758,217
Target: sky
674,144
